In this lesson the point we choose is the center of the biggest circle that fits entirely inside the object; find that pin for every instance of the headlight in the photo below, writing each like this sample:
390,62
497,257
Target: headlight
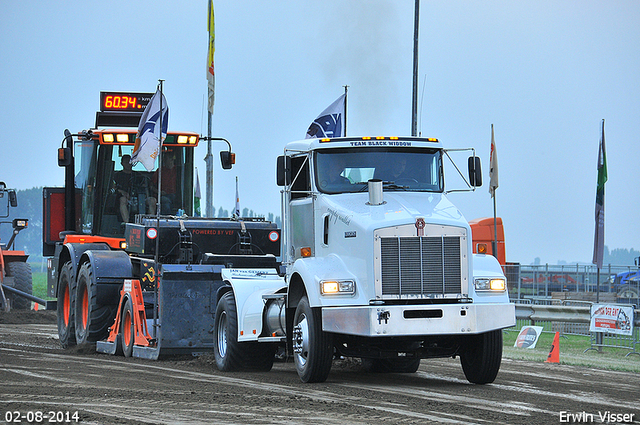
329,287
494,284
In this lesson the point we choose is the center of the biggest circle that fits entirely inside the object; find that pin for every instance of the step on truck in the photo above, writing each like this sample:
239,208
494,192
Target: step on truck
378,265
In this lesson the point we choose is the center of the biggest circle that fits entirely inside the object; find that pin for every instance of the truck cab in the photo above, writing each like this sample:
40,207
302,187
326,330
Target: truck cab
375,248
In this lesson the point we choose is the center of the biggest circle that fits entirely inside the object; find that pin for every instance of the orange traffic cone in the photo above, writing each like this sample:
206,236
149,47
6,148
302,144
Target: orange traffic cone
554,354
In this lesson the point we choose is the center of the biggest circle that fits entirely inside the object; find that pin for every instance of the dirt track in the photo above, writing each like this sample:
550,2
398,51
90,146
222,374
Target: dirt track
37,375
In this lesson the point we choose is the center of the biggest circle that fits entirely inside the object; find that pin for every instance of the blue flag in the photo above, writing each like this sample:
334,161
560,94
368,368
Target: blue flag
330,123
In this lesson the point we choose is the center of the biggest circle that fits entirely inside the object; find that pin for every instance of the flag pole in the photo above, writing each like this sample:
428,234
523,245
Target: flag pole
598,239
208,160
345,110
494,243
156,257
493,185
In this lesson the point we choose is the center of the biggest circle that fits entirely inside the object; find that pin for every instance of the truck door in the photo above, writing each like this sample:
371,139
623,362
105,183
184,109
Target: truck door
301,207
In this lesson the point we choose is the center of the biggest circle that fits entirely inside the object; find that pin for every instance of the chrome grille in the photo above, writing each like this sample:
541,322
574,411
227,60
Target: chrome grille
421,265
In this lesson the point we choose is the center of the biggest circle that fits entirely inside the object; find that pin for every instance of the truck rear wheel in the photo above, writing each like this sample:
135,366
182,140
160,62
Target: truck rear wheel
66,306
92,320
312,347
232,355
480,357
226,347
21,273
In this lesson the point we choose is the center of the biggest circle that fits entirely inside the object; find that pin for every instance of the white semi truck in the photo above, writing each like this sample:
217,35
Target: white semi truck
377,264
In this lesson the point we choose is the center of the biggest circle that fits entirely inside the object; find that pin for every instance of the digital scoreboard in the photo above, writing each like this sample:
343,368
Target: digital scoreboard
124,102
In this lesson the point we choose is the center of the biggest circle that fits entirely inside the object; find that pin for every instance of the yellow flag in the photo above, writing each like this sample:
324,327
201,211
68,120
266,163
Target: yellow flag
211,77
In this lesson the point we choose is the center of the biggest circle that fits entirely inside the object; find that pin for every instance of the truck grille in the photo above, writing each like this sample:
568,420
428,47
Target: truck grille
421,266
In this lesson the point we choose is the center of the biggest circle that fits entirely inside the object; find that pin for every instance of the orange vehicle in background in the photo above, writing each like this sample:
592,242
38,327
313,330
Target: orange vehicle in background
482,231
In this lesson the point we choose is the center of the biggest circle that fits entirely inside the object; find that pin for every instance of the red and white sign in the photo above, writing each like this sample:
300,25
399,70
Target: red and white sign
611,318
528,337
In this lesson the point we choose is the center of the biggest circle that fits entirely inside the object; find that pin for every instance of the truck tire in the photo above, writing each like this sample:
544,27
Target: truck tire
92,319
127,331
480,357
226,347
399,365
312,347
66,306
232,355
21,273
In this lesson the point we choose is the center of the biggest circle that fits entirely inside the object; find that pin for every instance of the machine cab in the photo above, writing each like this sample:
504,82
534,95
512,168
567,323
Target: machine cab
113,192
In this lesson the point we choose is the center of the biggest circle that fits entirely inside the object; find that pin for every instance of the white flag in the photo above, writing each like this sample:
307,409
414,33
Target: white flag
330,123
150,137
493,166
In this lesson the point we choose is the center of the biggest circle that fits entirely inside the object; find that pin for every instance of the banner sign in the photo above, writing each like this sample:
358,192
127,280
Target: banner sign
611,318
528,337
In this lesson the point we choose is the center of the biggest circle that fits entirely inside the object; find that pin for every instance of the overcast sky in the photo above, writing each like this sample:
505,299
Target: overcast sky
545,73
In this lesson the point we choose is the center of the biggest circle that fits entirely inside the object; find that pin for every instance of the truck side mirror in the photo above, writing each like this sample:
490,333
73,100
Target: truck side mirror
283,171
475,171
64,157
227,158
13,199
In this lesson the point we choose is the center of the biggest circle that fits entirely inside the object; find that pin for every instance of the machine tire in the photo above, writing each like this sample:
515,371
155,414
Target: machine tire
399,365
127,330
480,357
66,306
227,350
313,348
92,319
627,292
21,272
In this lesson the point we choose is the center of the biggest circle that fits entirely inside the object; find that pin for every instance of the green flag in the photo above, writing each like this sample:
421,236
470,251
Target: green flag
598,240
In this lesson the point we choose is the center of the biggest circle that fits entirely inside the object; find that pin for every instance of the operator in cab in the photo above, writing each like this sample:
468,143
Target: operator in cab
132,190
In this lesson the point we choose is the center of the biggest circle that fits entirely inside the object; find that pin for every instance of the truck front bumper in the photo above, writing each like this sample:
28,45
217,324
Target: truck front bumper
414,320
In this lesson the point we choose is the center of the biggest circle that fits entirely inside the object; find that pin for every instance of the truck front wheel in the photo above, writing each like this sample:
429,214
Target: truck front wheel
66,306
480,357
312,347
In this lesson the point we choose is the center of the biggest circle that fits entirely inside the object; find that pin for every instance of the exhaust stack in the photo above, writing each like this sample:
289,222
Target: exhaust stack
375,192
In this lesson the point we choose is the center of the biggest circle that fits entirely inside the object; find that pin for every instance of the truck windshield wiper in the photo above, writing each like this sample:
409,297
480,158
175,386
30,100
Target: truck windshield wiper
385,185
394,186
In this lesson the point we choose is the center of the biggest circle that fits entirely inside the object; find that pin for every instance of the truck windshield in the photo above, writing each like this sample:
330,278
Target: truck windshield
349,170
